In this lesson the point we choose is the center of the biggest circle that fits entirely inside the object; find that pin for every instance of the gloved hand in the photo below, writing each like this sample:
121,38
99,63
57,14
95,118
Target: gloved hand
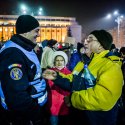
67,101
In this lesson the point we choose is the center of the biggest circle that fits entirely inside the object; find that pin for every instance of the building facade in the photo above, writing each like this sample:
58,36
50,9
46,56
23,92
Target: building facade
51,27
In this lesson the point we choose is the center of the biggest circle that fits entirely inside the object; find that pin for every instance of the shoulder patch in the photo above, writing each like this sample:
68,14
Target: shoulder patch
14,65
16,74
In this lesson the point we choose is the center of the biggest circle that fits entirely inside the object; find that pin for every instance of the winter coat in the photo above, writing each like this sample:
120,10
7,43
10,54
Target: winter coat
56,96
109,82
17,75
74,59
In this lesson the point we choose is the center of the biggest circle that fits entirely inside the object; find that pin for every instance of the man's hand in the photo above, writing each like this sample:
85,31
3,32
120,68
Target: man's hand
49,74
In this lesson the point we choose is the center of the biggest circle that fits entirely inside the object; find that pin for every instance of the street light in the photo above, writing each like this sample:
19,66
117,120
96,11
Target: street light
23,9
27,10
40,11
118,20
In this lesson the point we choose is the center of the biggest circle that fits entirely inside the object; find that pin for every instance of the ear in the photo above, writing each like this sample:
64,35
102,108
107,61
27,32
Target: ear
100,48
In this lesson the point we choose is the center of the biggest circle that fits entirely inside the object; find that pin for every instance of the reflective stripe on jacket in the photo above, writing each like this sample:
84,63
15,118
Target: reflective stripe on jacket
40,84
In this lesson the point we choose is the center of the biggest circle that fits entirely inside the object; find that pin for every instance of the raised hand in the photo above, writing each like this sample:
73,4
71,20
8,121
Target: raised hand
49,74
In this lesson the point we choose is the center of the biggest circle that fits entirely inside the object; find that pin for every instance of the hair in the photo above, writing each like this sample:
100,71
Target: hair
51,42
112,47
122,50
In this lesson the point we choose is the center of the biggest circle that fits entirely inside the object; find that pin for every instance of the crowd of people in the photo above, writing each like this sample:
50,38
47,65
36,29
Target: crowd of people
42,85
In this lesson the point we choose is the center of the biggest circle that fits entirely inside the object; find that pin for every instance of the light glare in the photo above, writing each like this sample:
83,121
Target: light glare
108,16
116,12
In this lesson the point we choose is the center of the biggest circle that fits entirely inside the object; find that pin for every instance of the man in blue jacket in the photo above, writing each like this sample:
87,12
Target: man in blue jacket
22,89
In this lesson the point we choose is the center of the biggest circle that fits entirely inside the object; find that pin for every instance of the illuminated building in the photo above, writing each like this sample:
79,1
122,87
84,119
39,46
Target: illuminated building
51,27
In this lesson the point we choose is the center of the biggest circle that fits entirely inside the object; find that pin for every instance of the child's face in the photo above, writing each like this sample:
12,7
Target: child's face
59,62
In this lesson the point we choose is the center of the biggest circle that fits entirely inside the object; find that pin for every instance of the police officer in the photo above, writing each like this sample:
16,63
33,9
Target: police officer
22,89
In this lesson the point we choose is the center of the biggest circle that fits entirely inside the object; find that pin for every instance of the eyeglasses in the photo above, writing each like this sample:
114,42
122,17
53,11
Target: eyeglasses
90,39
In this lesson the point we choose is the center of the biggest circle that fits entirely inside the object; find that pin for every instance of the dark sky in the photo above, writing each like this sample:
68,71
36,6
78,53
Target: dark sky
88,13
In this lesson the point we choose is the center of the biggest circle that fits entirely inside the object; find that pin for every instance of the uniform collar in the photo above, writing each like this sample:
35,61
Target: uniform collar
23,42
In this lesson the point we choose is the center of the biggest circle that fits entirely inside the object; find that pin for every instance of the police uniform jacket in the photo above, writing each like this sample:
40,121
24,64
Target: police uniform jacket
16,74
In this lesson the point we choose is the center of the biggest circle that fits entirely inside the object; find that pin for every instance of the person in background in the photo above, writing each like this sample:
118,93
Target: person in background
44,43
38,50
59,112
121,118
22,89
60,47
122,52
85,55
47,56
114,50
99,101
122,55
75,57
0,45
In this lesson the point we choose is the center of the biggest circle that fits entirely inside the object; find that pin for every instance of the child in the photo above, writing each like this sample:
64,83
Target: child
58,109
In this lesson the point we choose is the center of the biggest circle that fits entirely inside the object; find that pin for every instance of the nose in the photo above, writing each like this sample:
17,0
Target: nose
85,42
38,34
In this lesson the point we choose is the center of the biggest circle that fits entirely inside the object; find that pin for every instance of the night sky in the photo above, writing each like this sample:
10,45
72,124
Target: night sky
88,13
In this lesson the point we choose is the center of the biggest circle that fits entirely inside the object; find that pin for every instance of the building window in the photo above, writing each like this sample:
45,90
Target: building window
52,19
57,19
42,24
52,24
47,24
48,19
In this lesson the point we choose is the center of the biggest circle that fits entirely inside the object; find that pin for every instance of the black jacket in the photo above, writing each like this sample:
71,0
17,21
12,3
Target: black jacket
17,92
